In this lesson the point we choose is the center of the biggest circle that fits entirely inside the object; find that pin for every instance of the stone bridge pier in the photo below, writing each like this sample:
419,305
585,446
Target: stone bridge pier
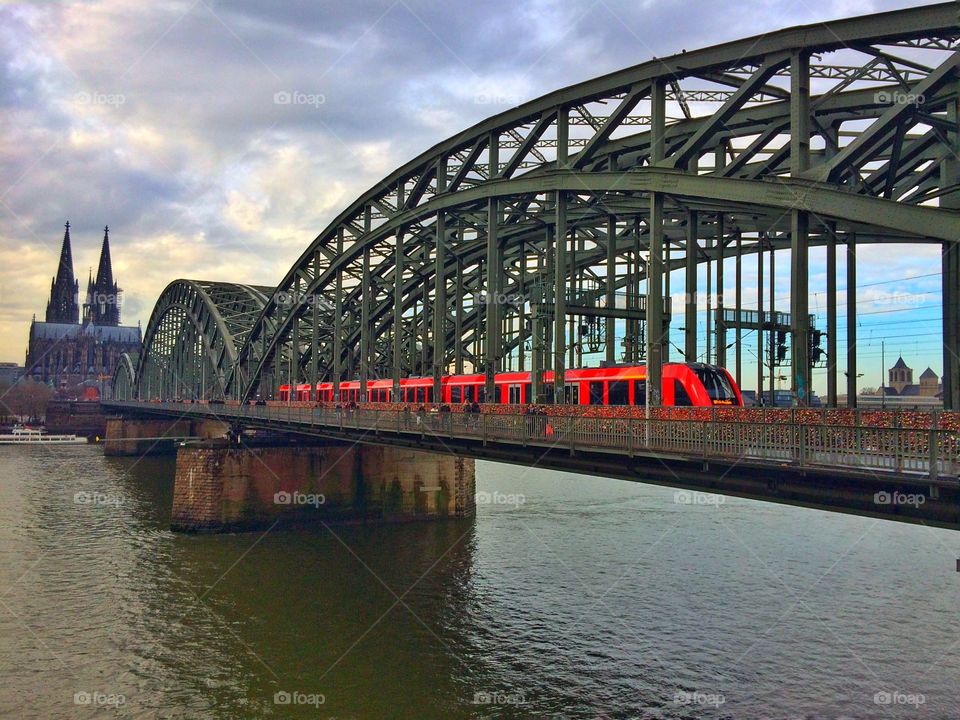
221,487
155,436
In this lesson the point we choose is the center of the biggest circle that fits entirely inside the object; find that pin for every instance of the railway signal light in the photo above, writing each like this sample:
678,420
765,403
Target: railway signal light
816,352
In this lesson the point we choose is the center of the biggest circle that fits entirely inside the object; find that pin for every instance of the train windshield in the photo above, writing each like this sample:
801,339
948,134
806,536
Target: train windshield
718,385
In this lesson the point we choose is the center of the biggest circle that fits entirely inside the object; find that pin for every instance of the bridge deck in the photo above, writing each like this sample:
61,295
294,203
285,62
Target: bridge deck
877,471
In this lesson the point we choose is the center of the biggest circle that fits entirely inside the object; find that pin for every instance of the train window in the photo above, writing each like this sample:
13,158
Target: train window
468,395
717,384
429,394
680,396
481,393
528,392
596,393
513,394
619,392
547,391
571,393
456,394
639,392
418,395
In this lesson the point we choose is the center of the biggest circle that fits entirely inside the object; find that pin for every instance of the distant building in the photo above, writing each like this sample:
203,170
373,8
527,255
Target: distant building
900,382
10,373
899,377
781,398
67,349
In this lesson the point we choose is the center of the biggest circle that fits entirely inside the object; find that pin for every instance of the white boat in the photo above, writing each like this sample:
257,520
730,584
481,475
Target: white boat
21,435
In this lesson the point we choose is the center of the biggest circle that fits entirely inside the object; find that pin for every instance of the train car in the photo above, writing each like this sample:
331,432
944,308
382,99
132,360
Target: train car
684,384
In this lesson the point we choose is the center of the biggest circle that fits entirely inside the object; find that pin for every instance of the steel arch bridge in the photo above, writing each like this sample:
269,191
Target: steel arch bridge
557,225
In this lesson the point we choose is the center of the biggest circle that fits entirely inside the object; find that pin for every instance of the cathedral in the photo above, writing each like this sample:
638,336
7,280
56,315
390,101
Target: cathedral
73,350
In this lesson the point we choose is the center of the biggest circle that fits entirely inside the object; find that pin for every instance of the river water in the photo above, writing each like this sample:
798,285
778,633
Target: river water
567,597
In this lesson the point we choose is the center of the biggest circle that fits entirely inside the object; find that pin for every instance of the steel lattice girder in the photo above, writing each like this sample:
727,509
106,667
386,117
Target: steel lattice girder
874,170
213,318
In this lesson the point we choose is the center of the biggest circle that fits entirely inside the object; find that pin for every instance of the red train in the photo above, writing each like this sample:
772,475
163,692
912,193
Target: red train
684,384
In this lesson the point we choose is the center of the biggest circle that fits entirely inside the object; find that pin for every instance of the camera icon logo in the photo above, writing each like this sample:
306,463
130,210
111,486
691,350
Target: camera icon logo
883,698
282,498
282,98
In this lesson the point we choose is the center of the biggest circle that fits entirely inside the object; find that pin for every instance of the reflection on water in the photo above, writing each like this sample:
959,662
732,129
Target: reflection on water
568,596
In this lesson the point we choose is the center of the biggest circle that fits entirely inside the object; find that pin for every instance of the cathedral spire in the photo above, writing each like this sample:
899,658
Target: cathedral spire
105,300
63,306
105,270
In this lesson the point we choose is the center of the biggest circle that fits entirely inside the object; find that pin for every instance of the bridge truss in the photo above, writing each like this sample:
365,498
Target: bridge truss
565,218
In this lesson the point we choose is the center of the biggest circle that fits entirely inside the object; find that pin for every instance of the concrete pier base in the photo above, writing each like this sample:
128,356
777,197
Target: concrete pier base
133,436
221,487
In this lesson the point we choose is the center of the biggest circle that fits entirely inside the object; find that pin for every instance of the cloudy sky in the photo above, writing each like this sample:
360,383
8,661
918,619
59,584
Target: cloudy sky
159,118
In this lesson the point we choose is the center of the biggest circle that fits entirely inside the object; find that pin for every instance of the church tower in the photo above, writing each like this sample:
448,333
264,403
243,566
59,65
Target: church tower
64,290
104,296
900,375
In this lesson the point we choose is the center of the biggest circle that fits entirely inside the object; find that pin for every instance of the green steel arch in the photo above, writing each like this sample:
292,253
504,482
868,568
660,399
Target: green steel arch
123,383
191,341
478,254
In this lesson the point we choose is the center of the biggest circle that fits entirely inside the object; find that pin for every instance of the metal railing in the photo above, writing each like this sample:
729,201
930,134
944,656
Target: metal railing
928,452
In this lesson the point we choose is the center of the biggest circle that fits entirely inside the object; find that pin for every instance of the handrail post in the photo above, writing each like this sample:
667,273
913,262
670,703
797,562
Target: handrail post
897,454
704,432
801,439
933,450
